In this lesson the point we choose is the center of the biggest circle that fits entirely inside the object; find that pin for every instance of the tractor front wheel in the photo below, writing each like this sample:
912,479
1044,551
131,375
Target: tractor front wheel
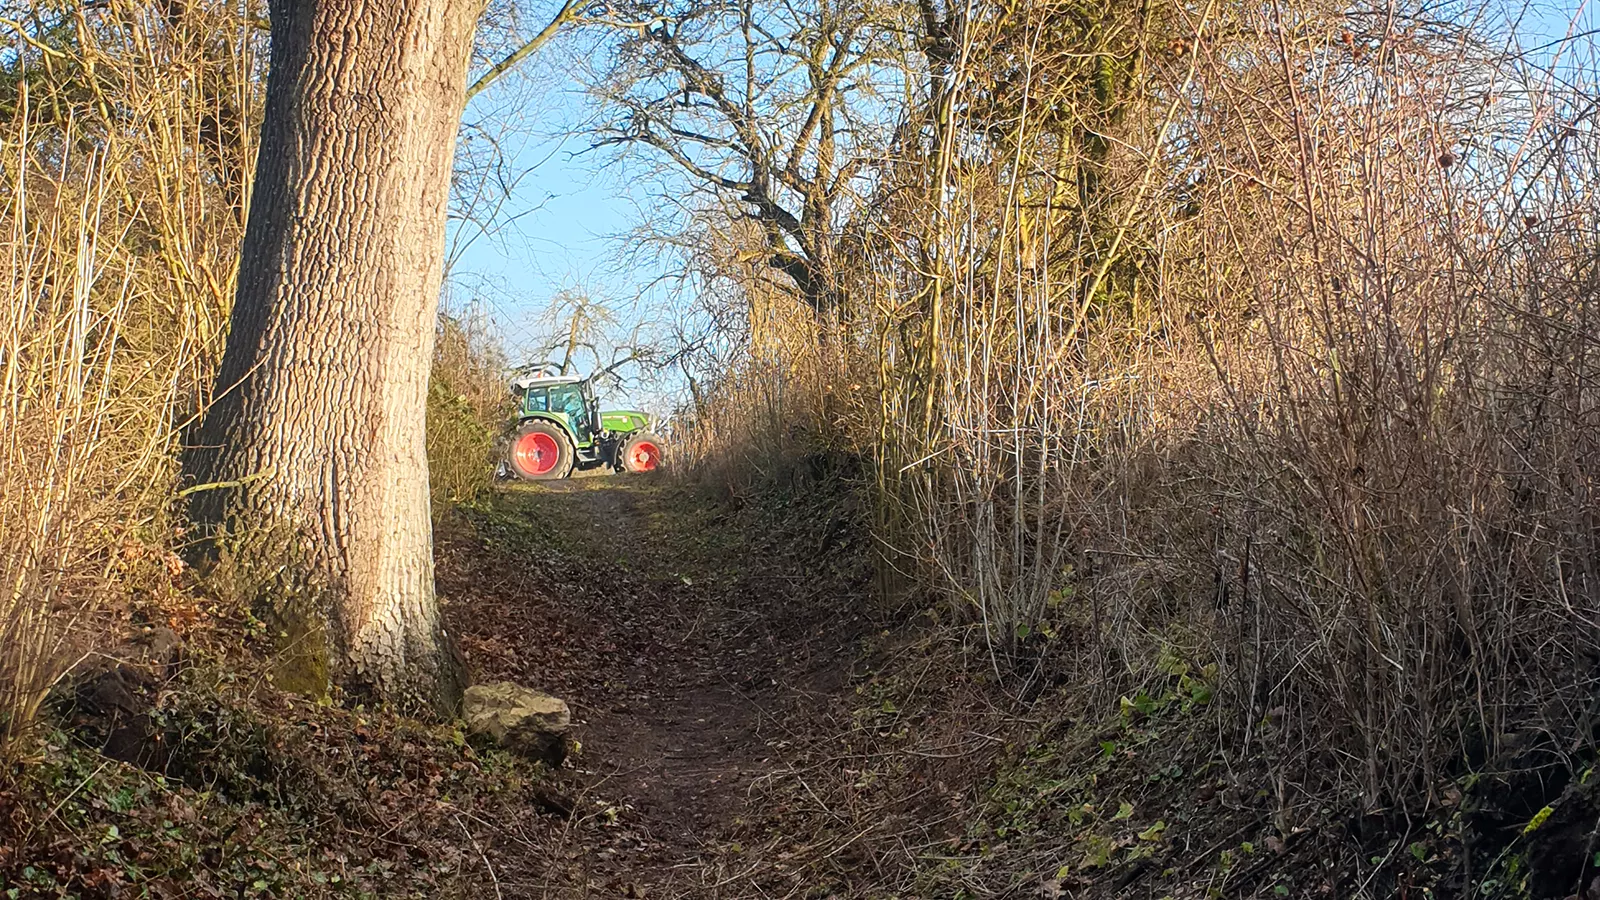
540,451
641,452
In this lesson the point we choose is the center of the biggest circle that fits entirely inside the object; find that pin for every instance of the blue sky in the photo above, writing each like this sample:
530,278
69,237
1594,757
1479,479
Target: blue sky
564,225
567,215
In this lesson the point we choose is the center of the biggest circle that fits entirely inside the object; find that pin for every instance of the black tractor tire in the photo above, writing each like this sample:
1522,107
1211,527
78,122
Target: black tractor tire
540,451
640,452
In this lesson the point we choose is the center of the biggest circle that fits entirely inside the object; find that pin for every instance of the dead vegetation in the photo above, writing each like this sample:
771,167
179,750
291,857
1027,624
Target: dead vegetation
230,789
467,403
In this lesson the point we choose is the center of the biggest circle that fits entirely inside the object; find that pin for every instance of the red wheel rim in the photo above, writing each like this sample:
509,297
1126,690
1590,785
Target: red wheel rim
537,453
644,456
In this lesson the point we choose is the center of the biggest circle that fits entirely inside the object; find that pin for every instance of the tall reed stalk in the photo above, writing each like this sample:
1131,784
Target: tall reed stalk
87,414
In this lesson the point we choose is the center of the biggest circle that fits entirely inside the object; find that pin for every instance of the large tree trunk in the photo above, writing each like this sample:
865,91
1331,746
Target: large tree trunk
310,465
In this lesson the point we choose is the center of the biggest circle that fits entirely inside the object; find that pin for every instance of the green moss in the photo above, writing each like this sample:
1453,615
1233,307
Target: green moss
300,665
1537,821
284,604
1104,81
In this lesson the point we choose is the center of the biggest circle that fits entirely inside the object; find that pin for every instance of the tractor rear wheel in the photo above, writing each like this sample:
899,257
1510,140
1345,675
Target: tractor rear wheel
641,452
540,451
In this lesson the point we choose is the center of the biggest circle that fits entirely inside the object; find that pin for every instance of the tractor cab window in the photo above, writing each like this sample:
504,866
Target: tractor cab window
569,399
537,400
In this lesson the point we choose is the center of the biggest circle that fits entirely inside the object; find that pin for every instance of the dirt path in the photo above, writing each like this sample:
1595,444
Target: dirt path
691,647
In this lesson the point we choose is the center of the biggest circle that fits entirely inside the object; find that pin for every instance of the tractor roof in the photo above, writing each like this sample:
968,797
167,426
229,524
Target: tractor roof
531,381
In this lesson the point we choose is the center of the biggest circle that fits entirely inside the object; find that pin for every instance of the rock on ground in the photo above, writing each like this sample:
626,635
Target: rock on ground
519,719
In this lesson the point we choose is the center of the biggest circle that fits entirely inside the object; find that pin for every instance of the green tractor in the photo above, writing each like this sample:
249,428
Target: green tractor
559,428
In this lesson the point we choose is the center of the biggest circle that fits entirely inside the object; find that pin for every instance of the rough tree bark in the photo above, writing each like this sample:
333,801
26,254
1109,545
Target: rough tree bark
310,470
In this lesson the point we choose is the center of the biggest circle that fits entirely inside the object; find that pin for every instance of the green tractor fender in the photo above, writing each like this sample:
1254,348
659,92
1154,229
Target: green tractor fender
631,446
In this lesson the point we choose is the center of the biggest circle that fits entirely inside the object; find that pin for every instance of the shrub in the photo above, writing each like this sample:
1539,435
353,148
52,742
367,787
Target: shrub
467,409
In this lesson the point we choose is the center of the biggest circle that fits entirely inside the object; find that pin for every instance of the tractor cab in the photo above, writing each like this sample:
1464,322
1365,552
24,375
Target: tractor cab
559,427
568,399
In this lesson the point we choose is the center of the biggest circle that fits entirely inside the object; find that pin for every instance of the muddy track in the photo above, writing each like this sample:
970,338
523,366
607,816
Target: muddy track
693,650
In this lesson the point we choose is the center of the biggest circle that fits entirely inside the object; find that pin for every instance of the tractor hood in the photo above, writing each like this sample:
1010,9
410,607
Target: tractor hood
624,420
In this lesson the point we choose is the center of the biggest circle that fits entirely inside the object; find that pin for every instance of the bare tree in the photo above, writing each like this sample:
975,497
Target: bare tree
774,111
520,49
